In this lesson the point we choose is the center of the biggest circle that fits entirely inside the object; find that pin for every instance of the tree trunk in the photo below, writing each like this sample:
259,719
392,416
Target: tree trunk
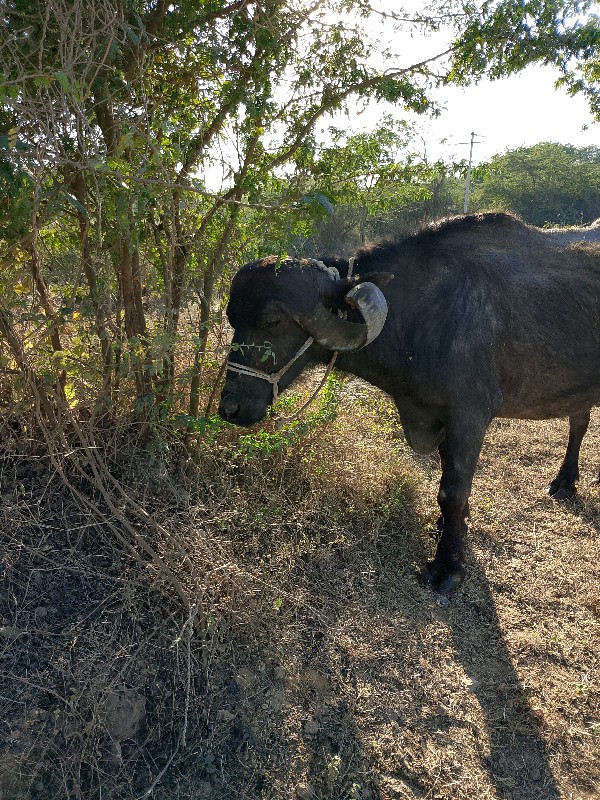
127,265
213,271
362,223
174,284
36,385
30,245
128,269
205,308
77,184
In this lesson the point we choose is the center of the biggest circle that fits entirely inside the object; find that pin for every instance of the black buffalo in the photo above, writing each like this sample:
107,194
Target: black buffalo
485,317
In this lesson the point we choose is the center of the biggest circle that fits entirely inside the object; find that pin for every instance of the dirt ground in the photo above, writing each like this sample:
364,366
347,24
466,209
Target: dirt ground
313,665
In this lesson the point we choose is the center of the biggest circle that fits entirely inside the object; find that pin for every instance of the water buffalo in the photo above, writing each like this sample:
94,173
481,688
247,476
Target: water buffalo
485,316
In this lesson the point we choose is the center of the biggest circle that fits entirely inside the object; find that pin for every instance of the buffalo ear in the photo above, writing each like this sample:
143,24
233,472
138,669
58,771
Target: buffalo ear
335,295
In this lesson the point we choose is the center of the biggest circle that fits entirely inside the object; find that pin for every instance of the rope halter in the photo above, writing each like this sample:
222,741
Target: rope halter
274,377
271,377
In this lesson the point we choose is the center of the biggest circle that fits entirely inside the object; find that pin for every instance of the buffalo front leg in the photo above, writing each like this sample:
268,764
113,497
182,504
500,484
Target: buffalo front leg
459,453
563,486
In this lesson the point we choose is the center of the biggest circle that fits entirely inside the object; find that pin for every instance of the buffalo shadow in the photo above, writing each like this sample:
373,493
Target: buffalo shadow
516,758
518,764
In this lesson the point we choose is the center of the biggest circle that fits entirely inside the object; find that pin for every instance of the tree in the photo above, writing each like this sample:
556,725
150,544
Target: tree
547,184
112,113
371,185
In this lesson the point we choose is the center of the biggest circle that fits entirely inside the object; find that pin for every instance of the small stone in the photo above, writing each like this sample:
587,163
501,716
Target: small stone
123,713
311,727
305,793
472,684
9,632
42,613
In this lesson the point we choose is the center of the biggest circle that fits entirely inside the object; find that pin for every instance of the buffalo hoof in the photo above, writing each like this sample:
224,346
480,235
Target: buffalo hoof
442,579
562,490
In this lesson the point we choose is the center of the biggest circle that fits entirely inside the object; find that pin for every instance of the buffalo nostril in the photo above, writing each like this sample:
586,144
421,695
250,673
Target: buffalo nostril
229,409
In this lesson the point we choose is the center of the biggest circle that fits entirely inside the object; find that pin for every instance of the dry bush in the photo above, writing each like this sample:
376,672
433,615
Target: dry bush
307,662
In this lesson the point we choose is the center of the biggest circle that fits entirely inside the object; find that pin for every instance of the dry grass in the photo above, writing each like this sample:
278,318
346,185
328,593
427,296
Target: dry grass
318,667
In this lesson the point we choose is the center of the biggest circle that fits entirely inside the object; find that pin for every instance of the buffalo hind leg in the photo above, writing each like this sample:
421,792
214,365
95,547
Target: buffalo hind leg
563,486
459,453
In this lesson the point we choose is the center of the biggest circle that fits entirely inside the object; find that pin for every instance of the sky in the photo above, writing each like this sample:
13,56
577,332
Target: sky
518,111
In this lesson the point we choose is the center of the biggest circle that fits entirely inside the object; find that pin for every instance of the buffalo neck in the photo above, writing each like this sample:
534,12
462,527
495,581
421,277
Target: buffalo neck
369,365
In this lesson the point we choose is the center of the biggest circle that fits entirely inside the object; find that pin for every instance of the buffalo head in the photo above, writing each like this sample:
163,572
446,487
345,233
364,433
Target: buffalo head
287,314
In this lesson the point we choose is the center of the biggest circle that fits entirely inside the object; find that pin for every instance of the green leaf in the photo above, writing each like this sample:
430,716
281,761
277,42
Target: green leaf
75,203
132,35
317,199
63,79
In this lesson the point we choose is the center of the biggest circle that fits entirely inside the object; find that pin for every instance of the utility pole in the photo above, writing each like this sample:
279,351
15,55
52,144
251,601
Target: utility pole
468,184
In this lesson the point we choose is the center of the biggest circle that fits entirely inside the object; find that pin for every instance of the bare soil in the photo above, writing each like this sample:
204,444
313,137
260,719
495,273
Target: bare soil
313,664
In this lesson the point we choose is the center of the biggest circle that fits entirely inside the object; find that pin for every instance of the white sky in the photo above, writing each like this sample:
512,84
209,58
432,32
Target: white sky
521,110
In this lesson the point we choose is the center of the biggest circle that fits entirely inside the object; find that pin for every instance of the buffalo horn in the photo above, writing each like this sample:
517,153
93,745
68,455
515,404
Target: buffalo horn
339,334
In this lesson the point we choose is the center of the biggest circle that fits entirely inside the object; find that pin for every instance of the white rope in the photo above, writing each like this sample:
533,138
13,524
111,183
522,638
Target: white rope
274,377
281,421
270,377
